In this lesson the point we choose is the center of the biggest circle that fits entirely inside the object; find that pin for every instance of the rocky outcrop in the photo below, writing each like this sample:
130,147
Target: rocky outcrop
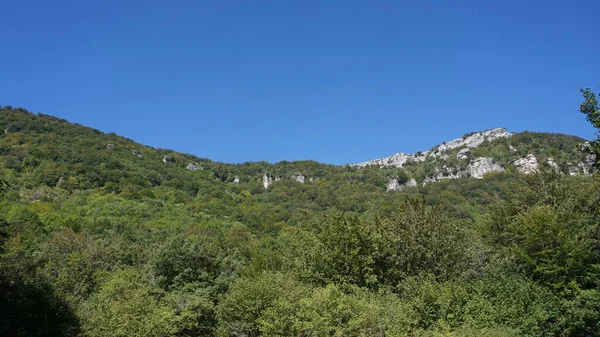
572,169
477,168
472,140
110,146
298,177
411,183
393,184
464,153
551,163
512,148
482,166
168,160
398,160
137,154
401,159
445,172
527,164
236,180
194,167
267,181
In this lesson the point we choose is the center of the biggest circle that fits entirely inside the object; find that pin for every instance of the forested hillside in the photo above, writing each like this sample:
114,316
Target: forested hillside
101,236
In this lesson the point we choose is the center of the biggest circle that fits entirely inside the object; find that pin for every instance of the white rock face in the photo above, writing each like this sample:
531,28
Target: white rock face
110,146
473,140
550,162
194,167
527,164
267,181
236,180
398,160
464,153
482,166
477,168
393,184
512,148
137,154
168,160
445,172
298,177
402,159
572,169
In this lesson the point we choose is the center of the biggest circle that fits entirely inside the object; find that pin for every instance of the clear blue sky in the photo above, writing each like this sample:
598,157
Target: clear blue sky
334,81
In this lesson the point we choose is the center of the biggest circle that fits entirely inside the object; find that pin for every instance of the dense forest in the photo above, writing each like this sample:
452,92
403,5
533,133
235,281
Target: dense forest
101,236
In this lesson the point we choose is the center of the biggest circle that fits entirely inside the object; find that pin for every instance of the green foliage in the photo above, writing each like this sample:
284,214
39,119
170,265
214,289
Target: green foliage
100,237
125,306
590,108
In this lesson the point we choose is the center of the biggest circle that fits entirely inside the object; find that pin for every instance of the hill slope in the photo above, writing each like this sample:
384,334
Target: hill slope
102,236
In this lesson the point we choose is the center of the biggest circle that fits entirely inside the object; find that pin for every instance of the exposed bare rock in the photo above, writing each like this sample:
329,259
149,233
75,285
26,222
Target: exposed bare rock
393,184
267,181
572,169
482,166
512,148
527,164
445,172
236,180
464,153
110,146
585,169
551,163
194,167
298,177
168,160
137,154
472,140
401,159
398,160
277,178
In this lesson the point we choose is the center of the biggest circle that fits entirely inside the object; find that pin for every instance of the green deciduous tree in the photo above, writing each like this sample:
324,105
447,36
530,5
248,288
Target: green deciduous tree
590,108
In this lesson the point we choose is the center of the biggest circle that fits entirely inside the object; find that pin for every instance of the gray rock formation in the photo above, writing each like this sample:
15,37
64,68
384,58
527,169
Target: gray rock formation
194,167
168,160
110,146
482,166
473,140
512,148
236,180
527,164
477,168
298,177
445,172
398,160
551,163
137,154
393,184
464,153
572,169
267,181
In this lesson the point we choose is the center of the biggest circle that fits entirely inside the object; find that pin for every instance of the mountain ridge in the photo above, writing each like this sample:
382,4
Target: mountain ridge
473,155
